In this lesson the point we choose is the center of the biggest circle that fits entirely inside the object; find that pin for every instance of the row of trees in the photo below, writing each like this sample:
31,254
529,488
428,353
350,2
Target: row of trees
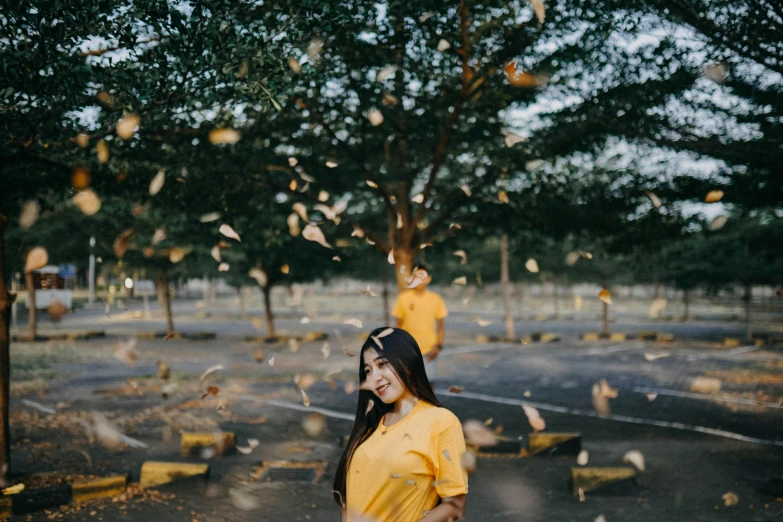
390,127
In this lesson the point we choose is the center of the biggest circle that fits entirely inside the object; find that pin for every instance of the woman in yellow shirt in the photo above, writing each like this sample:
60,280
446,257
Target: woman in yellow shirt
402,462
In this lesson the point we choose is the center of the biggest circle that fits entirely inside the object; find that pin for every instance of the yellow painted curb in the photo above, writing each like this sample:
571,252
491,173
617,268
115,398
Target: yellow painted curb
731,342
549,337
664,338
99,488
617,337
482,338
589,479
159,473
314,336
221,441
568,443
591,336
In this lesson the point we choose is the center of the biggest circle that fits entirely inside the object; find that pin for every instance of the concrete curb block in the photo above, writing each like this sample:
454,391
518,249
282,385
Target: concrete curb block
658,337
315,335
618,480
554,444
103,487
158,473
504,448
198,336
537,337
32,500
74,336
192,443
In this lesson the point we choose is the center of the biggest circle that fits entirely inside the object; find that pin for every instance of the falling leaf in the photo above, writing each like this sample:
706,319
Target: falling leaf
82,140
125,352
293,224
104,431
314,424
375,116
313,233
582,458
461,281
14,490
29,215
371,184
426,16
272,361
353,322
384,333
718,222
210,217
87,201
331,164
418,198
503,197
259,355
602,392
251,445
581,493
178,254
468,462
323,196
527,393
285,269
533,164
651,396
600,518
572,258
157,182
456,389
385,73
293,345
301,211
346,352
636,458
293,63
326,350
223,267
443,45
80,178
209,371
538,8
713,196
655,356
462,255
717,72
605,296
531,265
656,201
36,258
102,151
466,189
305,398
224,136
730,499
122,243
127,126
477,434
656,307
512,139
483,322
524,79
227,231
534,418
215,253
158,236
389,99
259,275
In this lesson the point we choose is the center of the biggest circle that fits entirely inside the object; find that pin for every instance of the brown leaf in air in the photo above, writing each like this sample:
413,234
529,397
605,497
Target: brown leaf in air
102,151
36,258
29,215
122,243
87,201
713,196
224,136
127,126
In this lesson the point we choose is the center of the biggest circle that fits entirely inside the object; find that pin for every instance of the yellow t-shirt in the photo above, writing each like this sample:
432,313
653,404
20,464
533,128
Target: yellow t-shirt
418,312
399,472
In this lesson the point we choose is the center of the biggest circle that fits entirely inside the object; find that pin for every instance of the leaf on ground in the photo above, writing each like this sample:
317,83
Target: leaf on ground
208,372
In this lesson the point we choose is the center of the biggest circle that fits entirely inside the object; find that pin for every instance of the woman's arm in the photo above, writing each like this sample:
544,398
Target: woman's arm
449,510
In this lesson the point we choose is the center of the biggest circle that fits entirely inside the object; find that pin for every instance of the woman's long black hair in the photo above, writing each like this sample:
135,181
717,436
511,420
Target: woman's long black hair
403,353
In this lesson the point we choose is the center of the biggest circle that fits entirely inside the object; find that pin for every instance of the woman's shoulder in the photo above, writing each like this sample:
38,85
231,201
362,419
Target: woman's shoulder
441,417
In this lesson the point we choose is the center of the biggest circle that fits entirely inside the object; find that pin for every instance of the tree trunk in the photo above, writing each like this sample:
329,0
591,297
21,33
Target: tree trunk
403,264
270,318
164,297
686,304
32,317
6,300
242,308
557,300
506,286
748,297
385,295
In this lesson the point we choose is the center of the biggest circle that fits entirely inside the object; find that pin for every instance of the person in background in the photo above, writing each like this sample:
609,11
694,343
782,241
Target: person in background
418,310
403,460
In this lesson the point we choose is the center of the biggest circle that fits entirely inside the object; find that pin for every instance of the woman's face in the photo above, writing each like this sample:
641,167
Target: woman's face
380,377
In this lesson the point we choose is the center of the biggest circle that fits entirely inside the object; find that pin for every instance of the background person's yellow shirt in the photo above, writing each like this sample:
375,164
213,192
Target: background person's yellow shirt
418,312
398,475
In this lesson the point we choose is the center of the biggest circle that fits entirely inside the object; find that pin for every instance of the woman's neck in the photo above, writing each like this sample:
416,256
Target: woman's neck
404,405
